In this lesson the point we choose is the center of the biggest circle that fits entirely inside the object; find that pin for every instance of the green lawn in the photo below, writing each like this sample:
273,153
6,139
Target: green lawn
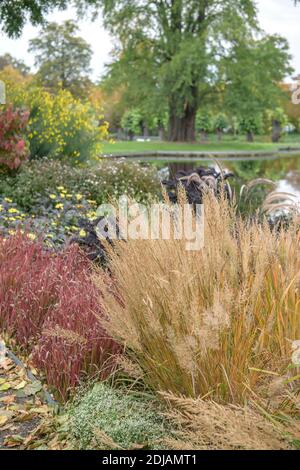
225,145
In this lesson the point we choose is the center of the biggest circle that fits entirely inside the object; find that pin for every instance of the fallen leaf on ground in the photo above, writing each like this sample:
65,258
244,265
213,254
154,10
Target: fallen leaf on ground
3,420
4,387
5,415
21,373
16,407
24,416
33,388
22,409
7,364
40,410
7,427
20,385
13,441
8,399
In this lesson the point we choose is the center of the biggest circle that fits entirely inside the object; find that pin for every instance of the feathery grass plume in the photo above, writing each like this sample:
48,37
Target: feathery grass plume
208,322
70,336
280,201
207,425
103,441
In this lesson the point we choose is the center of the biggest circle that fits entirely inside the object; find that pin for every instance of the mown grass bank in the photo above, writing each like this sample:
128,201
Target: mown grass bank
230,145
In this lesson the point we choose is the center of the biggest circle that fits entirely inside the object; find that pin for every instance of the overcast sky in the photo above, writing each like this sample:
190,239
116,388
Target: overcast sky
276,16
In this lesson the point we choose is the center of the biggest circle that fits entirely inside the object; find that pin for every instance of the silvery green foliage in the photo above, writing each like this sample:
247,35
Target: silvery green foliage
124,418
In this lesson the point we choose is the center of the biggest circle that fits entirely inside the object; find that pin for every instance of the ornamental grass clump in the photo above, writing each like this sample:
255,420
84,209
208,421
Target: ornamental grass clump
73,344
207,425
218,323
28,288
48,302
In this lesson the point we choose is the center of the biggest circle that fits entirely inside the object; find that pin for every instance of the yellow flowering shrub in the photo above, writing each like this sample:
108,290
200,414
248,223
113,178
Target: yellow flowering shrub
60,126
64,127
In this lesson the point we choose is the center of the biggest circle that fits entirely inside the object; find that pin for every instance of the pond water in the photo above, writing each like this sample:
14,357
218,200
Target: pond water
283,170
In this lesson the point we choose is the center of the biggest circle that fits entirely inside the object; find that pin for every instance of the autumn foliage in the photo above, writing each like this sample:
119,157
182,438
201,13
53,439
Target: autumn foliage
50,305
13,148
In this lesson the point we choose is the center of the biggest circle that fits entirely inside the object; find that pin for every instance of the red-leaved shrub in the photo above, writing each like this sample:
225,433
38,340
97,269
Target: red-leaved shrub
13,149
49,303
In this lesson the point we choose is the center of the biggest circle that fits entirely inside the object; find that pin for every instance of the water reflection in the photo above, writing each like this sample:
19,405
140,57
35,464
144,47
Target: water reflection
290,184
285,171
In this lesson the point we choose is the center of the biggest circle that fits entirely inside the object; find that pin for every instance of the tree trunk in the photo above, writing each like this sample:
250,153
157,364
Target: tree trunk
182,129
250,136
219,134
161,133
145,130
276,131
130,135
204,136
119,133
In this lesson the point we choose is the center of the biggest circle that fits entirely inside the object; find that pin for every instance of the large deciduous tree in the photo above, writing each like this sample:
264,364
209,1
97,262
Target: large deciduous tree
15,13
170,52
63,58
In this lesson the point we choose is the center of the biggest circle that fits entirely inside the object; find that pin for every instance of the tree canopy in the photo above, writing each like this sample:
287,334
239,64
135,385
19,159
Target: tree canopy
174,57
7,60
14,14
63,58
252,73
178,55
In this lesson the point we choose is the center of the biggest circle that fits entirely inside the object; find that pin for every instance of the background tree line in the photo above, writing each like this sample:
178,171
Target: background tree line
172,60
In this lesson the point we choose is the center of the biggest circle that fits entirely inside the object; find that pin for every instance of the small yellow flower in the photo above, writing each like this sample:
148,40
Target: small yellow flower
92,214
31,236
7,199
59,206
12,210
79,197
82,233
52,196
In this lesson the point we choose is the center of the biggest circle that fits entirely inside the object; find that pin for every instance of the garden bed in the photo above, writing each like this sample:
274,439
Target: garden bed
166,345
